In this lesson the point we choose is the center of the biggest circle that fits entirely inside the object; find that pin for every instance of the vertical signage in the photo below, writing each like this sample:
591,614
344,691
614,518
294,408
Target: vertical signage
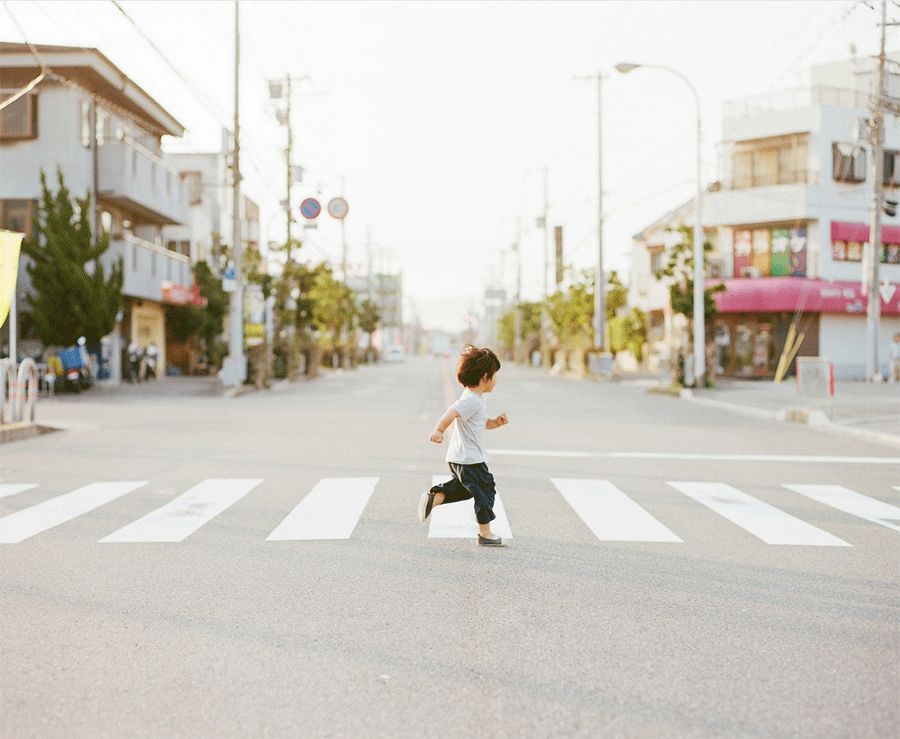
558,240
742,253
761,260
780,264
798,251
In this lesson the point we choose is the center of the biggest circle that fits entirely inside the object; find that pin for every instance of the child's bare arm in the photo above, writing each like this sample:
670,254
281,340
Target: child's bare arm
495,423
437,436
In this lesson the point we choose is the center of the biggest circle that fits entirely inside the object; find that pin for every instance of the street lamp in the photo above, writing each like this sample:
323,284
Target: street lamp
699,316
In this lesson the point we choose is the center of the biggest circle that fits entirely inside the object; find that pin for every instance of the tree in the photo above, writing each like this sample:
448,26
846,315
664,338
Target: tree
530,327
369,316
73,295
333,307
680,270
572,312
616,295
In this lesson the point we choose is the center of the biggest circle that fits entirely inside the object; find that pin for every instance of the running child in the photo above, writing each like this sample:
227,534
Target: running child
476,371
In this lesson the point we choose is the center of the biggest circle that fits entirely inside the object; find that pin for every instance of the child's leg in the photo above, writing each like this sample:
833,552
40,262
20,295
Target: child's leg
480,482
451,491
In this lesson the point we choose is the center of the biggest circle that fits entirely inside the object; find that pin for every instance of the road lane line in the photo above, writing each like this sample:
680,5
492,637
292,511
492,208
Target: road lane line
849,501
802,458
331,510
8,489
19,526
764,521
182,516
457,520
611,514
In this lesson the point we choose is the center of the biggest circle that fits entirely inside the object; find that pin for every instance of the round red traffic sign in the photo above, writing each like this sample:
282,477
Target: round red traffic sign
310,209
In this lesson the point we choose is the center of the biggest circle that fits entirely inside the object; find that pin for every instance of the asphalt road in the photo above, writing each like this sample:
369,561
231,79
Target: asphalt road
391,632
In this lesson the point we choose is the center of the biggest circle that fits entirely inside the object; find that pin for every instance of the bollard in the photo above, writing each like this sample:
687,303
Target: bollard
26,391
7,390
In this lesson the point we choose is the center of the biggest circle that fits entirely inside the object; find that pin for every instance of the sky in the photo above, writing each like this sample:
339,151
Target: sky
439,118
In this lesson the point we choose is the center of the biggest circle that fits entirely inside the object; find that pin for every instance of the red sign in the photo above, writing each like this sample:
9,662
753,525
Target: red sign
175,294
790,294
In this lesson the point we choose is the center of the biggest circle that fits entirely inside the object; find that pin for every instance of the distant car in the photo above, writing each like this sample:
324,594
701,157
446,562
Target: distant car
394,353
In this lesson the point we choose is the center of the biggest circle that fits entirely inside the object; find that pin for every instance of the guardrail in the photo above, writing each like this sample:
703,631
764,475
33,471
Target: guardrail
18,391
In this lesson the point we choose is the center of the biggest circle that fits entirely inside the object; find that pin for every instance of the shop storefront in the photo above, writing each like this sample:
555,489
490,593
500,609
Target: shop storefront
829,317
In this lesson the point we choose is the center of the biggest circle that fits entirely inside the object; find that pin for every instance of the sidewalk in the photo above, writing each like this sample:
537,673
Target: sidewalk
861,409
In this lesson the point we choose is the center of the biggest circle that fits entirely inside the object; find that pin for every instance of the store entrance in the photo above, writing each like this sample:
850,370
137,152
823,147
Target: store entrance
750,344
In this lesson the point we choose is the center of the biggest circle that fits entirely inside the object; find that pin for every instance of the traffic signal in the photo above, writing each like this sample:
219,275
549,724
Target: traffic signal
890,207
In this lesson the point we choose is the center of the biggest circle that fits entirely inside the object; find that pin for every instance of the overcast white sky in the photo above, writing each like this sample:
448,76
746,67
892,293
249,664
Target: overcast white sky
441,115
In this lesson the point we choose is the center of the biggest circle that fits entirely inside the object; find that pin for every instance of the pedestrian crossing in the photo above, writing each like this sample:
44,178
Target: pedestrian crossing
333,508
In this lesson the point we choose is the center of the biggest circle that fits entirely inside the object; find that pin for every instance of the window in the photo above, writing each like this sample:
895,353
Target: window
656,259
106,221
848,162
891,176
19,120
17,215
102,124
776,160
85,123
194,187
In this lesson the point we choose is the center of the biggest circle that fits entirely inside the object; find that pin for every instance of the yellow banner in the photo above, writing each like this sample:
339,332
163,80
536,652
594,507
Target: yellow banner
10,243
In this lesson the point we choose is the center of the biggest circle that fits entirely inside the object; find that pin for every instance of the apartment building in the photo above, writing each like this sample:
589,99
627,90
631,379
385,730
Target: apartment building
788,220
207,182
103,132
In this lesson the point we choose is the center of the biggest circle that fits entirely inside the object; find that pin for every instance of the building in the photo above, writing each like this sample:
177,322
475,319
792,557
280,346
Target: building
787,220
103,132
207,181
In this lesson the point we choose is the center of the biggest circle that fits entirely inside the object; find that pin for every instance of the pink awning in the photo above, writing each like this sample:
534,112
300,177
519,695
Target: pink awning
844,231
791,294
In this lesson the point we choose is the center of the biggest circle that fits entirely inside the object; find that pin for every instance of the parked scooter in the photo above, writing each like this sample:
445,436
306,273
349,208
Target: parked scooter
133,364
151,360
76,372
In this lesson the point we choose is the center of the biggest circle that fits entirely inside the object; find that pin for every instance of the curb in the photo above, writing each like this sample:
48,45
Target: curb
814,419
11,432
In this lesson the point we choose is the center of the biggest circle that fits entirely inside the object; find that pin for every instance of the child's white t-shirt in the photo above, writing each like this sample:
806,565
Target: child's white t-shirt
464,446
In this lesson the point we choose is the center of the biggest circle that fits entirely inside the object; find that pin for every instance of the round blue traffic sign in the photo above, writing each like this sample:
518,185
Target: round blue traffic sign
310,208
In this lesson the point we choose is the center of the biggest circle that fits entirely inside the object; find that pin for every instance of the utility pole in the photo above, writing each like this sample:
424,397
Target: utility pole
545,311
600,327
288,157
234,371
873,314
517,315
343,238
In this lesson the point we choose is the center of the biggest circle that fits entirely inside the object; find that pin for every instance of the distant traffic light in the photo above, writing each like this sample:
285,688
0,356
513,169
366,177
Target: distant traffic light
890,207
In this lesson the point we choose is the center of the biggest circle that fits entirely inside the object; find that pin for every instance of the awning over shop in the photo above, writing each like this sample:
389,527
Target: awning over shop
791,294
844,231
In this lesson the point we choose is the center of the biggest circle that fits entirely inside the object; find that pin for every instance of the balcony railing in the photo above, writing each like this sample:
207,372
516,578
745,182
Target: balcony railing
742,182
796,99
136,179
147,266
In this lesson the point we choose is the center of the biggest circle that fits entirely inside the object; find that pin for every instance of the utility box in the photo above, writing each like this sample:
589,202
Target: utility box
815,377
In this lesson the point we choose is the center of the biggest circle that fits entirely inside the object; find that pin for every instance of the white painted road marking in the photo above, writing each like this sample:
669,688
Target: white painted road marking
457,520
331,510
26,523
764,521
181,517
611,514
801,458
8,489
849,501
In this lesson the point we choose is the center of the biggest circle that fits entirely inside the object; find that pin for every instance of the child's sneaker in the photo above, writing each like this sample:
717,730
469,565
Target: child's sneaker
426,503
494,541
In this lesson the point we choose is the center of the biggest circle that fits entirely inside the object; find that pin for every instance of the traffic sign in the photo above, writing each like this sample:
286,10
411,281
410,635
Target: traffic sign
337,208
310,209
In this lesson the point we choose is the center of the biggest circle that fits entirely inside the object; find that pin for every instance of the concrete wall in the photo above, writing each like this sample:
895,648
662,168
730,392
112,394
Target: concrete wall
842,339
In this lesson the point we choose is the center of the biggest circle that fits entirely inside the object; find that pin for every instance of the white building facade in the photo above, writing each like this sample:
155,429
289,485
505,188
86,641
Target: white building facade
788,220
103,133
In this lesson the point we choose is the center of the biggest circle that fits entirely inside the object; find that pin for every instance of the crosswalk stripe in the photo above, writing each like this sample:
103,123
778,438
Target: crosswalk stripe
611,514
181,517
10,489
764,521
331,510
849,501
23,524
457,520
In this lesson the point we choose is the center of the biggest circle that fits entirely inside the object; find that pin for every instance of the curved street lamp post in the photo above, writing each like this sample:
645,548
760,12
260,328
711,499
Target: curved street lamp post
699,315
